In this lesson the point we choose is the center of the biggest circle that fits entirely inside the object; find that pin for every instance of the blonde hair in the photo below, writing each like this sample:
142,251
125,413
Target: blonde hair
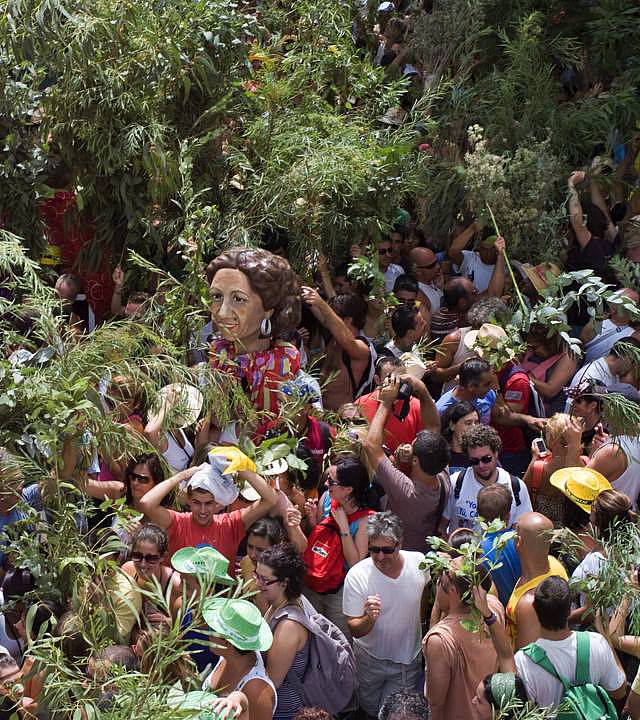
556,427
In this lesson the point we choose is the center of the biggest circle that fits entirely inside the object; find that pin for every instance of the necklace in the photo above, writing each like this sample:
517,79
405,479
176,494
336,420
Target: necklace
273,610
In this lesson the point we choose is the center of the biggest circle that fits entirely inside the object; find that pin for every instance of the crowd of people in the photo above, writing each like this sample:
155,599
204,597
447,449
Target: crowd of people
403,561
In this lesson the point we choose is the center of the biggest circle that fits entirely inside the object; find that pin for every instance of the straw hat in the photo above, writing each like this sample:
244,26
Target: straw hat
581,485
238,621
187,397
538,274
413,365
488,335
204,562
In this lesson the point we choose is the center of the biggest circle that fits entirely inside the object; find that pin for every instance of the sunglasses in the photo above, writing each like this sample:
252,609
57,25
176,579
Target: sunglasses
149,559
333,483
427,267
485,460
375,549
260,580
385,251
142,479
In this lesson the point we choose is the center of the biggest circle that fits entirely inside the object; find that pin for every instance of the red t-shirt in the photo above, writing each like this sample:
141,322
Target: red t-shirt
225,534
516,394
396,432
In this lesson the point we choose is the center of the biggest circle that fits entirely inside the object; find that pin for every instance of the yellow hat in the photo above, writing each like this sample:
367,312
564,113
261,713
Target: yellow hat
52,255
580,484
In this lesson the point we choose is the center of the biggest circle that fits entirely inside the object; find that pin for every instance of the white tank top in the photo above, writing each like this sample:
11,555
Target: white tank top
177,457
257,672
629,481
462,353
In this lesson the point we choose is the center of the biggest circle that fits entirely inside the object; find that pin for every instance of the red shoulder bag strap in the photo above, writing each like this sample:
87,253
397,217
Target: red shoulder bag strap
537,472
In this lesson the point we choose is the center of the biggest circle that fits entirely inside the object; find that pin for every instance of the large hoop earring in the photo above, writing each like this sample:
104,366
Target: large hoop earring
265,328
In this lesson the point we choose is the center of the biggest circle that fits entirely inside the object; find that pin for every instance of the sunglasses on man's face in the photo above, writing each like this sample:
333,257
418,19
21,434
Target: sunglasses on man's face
385,251
484,460
375,549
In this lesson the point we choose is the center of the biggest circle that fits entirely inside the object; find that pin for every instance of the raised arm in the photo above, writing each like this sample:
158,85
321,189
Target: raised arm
496,284
325,276
499,638
268,497
356,349
597,198
116,299
460,242
374,439
576,215
150,503
428,409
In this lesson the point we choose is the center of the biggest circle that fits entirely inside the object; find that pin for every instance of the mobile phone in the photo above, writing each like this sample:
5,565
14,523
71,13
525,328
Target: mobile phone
540,447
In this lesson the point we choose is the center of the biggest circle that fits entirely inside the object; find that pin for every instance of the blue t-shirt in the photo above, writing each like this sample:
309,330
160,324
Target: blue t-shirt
507,575
482,405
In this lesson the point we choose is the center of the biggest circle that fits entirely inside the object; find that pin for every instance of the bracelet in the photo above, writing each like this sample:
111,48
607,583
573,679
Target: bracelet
346,534
488,621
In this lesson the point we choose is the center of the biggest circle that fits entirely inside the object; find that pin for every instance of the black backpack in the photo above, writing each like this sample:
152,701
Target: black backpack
515,486
366,384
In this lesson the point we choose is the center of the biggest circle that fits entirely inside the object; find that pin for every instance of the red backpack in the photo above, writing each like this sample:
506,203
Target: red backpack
326,567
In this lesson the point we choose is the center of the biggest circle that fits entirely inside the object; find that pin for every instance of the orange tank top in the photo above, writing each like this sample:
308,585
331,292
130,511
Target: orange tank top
555,568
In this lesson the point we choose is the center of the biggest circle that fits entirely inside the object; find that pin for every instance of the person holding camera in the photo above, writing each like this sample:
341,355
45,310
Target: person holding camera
410,414
419,498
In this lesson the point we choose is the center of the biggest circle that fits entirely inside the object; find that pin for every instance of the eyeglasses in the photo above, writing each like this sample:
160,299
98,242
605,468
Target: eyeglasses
149,559
142,479
374,549
261,580
333,483
427,267
385,251
485,460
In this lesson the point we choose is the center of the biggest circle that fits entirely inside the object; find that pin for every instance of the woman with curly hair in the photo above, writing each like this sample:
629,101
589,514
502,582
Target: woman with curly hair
255,300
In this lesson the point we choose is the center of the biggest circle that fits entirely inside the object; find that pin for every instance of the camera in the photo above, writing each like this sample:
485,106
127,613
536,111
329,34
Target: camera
404,391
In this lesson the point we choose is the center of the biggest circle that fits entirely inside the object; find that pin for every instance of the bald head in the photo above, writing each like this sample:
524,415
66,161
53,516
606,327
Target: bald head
619,313
425,264
534,535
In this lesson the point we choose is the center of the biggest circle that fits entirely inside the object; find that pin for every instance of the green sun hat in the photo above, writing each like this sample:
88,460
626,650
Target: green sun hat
238,621
194,700
204,562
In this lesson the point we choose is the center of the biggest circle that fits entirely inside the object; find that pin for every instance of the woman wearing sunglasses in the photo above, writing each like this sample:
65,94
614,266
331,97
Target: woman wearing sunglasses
148,554
338,539
141,475
279,577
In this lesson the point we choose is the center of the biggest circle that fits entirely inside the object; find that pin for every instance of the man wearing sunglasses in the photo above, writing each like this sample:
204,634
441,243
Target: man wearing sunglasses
381,601
482,445
387,267
428,272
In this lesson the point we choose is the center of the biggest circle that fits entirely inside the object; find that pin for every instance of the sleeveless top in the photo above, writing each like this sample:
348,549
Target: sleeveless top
462,353
257,672
289,700
178,456
629,481
555,568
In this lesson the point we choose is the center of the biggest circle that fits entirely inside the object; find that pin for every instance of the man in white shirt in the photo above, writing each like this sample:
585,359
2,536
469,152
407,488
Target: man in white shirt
612,368
482,445
552,604
381,601
428,272
390,270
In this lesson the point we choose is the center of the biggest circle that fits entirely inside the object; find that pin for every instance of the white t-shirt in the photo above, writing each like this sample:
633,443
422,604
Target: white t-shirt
544,690
589,567
390,275
473,268
462,512
596,370
433,293
629,481
396,634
